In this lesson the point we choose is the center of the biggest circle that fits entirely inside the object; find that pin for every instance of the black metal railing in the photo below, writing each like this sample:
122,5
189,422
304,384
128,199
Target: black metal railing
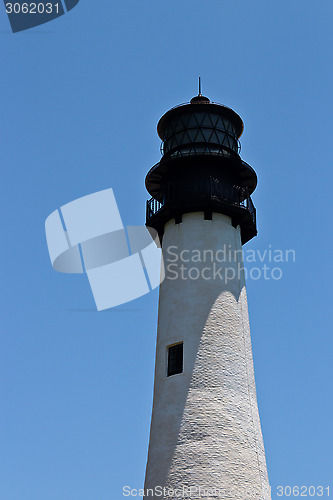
248,204
153,206
182,192
201,148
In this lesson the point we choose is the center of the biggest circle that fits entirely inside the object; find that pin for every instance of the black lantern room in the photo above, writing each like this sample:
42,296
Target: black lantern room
201,169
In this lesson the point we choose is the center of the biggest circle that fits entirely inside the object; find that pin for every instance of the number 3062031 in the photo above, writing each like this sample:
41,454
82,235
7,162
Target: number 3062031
303,491
32,8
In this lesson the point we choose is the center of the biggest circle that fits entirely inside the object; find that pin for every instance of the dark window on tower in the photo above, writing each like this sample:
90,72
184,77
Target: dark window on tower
175,359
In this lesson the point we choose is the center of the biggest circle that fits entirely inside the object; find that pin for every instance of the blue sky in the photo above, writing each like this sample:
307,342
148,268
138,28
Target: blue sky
80,99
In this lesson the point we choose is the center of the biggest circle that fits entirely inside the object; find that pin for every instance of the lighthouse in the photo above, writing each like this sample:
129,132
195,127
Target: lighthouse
205,436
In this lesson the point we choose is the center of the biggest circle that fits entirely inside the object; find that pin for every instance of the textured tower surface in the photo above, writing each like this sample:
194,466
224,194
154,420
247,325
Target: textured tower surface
205,429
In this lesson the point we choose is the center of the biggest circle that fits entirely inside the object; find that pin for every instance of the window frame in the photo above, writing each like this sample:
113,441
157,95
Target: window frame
167,358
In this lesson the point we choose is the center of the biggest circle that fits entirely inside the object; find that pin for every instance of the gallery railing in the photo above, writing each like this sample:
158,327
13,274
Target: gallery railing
182,192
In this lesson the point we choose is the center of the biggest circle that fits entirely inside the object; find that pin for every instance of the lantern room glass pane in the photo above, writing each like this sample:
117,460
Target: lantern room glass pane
207,132
192,134
192,121
199,117
206,122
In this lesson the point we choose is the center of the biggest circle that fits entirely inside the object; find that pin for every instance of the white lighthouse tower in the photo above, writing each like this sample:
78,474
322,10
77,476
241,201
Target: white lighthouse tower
205,437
